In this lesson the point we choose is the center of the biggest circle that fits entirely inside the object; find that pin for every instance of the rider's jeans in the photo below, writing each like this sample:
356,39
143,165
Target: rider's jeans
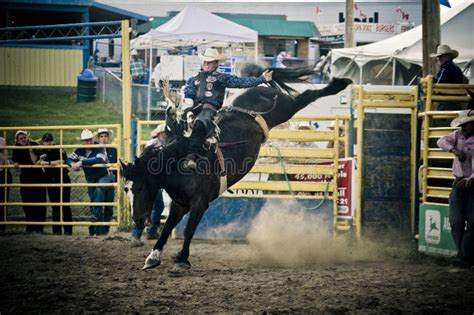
101,194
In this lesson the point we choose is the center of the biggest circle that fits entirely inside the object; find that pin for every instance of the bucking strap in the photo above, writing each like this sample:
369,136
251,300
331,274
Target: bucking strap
258,118
223,173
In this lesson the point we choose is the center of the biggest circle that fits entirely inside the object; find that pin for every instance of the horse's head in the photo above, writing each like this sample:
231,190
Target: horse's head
141,191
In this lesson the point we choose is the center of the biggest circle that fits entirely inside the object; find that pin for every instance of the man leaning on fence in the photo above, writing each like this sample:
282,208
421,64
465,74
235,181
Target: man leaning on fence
104,136
461,199
84,158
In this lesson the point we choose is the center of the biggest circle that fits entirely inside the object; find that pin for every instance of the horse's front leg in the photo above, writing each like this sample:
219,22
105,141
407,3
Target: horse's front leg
195,216
176,214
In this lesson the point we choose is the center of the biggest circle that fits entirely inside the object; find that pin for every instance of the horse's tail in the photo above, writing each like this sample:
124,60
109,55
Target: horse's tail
334,86
280,76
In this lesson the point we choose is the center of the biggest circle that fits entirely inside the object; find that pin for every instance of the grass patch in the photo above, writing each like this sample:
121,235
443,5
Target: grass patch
42,108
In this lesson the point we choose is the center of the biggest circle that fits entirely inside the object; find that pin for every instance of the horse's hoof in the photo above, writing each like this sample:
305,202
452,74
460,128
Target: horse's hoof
153,260
180,269
184,265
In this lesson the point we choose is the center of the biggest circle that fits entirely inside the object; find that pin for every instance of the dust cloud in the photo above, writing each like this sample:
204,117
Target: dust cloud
289,235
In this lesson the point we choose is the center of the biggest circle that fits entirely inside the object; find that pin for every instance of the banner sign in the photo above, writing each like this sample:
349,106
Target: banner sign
345,186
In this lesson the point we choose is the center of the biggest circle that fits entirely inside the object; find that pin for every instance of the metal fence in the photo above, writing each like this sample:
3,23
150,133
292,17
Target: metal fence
12,206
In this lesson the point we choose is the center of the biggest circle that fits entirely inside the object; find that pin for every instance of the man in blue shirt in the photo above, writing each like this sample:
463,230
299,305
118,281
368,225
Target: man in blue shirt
449,72
82,158
205,91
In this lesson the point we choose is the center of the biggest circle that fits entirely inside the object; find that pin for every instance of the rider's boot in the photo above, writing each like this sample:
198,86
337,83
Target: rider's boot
197,138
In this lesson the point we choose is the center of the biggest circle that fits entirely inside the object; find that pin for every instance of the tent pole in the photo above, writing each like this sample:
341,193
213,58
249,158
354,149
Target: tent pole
393,71
383,68
148,103
361,70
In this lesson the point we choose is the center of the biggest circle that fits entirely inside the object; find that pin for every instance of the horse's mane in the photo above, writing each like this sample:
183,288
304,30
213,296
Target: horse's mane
281,76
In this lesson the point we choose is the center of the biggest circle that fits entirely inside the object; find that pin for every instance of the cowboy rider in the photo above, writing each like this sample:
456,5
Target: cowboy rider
205,92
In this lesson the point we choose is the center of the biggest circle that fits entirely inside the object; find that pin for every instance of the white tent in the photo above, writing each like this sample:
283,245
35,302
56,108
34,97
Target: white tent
400,57
194,26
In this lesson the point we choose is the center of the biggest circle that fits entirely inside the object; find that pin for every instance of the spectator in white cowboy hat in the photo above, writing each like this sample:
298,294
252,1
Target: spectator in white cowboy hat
30,176
104,136
205,91
81,159
158,139
330,145
461,198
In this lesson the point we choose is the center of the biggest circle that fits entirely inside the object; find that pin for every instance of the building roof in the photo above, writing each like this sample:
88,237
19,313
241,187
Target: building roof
265,25
273,25
110,12
99,11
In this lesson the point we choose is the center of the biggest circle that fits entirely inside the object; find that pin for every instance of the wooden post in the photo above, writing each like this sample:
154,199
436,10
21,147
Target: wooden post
431,35
349,30
126,91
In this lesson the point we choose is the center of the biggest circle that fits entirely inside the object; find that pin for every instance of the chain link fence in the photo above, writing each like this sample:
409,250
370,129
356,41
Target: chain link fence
148,101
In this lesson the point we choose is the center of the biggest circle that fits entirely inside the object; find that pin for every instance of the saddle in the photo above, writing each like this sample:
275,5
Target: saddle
180,124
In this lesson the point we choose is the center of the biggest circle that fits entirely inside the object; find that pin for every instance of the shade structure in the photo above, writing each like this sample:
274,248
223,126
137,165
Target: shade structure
194,26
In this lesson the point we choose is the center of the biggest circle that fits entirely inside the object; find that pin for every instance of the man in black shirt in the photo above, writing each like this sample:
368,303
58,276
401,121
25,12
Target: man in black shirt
449,72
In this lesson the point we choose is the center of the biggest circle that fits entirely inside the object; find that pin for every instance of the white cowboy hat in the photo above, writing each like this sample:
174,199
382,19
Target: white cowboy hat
211,54
21,132
134,52
465,116
103,130
304,126
86,134
159,129
445,50
332,124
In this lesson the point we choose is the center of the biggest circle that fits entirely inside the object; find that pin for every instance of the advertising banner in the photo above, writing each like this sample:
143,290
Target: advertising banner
345,186
435,230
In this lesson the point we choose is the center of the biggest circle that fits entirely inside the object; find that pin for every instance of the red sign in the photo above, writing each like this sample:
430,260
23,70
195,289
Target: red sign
345,186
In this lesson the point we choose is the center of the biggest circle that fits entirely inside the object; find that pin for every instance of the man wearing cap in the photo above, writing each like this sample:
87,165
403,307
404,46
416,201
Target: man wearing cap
205,92
137,68
138,71
461,198
50,157
81,159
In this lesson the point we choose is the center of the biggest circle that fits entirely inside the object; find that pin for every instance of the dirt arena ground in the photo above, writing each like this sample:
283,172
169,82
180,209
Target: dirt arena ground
54,274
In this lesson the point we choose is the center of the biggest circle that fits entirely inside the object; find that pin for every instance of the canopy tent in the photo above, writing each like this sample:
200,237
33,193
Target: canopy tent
194,26
398,59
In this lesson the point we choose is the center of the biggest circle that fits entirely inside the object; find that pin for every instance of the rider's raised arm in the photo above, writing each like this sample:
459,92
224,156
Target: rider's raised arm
233,81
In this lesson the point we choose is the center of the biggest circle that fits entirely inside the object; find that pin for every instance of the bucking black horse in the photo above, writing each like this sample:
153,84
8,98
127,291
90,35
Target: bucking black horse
243,127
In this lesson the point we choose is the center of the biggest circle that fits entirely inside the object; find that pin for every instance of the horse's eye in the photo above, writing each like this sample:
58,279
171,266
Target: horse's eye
126,189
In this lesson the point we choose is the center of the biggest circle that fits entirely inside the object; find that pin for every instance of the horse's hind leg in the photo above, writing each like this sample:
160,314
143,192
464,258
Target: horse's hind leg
176,214
195,217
